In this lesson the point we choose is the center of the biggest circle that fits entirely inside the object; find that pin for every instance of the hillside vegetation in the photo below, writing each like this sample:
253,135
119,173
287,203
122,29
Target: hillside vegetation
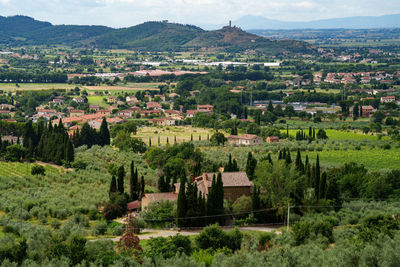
148,36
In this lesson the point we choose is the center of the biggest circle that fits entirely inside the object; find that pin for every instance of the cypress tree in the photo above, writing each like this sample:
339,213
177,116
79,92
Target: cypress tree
251,165
159,142
309,132
121,176
142,186
287,131
299,163
167,140
161,184
269,159
288,157
220,193
191,137
235,167
313,134
211,200
322,187
317,177
149,141
69,151
132,183
104,135
284,153
181,203
168,187
175,139
270,107
113,186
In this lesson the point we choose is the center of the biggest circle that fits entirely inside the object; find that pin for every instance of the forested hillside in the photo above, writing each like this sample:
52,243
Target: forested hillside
149,36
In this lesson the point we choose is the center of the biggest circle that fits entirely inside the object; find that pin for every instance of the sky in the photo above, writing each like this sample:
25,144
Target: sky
123,13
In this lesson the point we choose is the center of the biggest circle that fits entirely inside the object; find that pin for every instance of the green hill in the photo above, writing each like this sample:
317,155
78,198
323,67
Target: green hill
148,36
159,36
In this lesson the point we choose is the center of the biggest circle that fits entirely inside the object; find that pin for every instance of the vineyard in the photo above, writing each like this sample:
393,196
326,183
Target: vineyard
18,169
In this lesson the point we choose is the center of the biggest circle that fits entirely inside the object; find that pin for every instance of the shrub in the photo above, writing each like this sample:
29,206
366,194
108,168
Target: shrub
99,228
215,238
38,170
79,165
112,211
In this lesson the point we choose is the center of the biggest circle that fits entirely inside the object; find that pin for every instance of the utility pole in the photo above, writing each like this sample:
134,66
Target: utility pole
288,217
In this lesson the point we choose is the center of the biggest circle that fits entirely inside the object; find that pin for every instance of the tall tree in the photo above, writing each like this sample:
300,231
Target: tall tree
121,177
113,185
251,165
69,151
317,177
181,203
104,135
322,187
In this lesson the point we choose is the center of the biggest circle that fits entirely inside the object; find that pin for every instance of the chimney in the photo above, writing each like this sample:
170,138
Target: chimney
230,23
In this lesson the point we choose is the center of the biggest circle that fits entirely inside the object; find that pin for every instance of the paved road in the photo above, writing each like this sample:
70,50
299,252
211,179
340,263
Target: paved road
149,233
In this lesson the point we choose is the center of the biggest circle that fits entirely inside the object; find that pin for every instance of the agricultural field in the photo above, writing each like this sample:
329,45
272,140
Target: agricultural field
12,87
344,135
373,159
18,169
182,134
123,87
97,100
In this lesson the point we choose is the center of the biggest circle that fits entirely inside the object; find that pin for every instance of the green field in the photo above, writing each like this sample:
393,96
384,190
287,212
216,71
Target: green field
343,135
18,169
374,159
97,100
35,86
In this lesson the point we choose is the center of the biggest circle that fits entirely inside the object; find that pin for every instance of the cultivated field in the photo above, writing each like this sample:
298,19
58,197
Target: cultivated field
18,169
182,134
35,86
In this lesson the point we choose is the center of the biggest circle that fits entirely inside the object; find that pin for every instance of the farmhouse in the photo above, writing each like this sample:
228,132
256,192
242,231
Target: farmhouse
388,99
272,139
367,111
157,197
246,139
163,122
236,184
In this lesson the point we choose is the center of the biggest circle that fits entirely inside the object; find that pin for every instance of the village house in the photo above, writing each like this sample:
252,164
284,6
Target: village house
153,105
145,113
246,140
173,114
78,100
6,107
162,97
46,112
191,113
12,139
272,139
367,111
157,197
76,112
388,99
205,108
94,107
105,112
58,100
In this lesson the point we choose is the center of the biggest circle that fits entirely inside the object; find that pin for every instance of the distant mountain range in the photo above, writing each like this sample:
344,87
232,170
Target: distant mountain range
148,36
367,22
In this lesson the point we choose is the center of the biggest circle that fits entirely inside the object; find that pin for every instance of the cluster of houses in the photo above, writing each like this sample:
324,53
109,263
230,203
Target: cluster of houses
351,77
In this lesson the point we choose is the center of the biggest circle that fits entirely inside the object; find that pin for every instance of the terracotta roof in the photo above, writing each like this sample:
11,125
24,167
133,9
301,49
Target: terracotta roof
133,205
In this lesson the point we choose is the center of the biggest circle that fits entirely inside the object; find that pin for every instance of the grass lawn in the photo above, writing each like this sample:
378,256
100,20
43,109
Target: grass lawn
182,134
35,86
